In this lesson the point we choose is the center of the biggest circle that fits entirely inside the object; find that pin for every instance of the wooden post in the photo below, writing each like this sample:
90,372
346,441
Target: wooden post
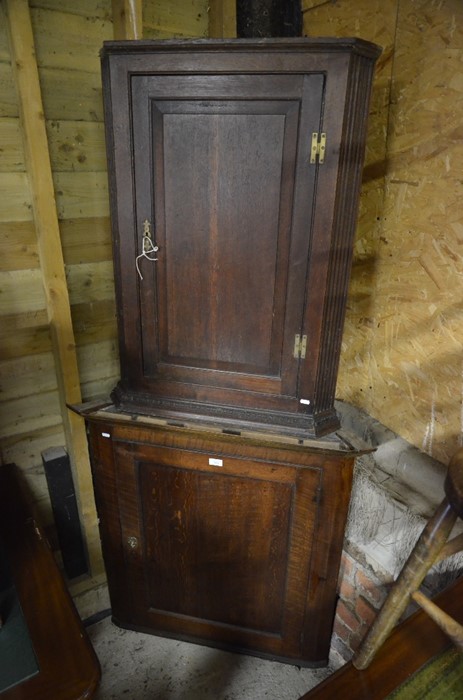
451,627
222,19
39,171
423,556
127,19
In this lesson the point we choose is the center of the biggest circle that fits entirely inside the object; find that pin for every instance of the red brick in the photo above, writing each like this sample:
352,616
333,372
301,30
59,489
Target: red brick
347,616
347,567
341,631
374,592
347,591
365,611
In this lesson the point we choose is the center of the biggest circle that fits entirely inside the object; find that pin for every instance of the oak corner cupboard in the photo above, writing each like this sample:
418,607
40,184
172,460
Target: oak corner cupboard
235,170
221,476
232,541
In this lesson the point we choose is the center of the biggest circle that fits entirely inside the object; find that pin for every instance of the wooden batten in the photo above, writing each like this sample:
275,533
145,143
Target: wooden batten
39,173
127,19
222,19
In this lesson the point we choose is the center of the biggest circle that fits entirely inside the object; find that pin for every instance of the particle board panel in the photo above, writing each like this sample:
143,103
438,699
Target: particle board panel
375,21
401,358
419,281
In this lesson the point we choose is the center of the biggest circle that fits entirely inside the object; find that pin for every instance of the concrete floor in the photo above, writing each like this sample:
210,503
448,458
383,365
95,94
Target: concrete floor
145,667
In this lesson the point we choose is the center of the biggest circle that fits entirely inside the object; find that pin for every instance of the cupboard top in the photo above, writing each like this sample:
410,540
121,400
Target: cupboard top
310,45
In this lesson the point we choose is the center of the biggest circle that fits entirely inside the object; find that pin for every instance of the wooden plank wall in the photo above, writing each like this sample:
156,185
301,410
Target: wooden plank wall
402,355
68,37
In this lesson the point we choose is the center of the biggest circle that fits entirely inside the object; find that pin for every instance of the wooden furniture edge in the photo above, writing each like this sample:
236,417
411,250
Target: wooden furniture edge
56,631
411,645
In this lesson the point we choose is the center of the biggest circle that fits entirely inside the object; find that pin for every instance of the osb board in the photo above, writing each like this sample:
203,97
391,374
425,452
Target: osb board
402,359
418,342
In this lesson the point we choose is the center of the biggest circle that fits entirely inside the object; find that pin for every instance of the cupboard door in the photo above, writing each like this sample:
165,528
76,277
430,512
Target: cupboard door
222,177
218,548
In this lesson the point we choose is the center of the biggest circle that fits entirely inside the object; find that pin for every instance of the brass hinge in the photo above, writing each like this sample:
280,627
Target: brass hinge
318,148
300,346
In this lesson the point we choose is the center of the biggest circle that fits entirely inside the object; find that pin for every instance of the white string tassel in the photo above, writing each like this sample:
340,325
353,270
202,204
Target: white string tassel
149,252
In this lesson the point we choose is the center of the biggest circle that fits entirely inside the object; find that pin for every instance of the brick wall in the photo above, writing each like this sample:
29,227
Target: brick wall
361,594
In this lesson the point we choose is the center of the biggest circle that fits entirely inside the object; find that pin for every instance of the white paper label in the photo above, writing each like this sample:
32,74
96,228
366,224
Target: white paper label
215,462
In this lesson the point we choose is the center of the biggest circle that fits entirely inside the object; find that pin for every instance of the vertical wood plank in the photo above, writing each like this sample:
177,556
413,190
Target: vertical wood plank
222,19
22,49
127,19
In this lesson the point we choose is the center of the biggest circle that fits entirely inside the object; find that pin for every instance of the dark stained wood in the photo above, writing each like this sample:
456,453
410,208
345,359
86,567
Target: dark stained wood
225,540
411,645
209,141
229,540
69,668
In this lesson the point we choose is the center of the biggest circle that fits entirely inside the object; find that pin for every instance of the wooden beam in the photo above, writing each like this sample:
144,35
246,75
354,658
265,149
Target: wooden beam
39,172
222,19
127,19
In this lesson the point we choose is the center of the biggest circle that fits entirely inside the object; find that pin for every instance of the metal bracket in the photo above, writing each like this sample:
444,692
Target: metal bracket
318,148
300,346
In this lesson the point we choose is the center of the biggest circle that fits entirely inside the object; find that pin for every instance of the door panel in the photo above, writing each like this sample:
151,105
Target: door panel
223,552
216,177
214,545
